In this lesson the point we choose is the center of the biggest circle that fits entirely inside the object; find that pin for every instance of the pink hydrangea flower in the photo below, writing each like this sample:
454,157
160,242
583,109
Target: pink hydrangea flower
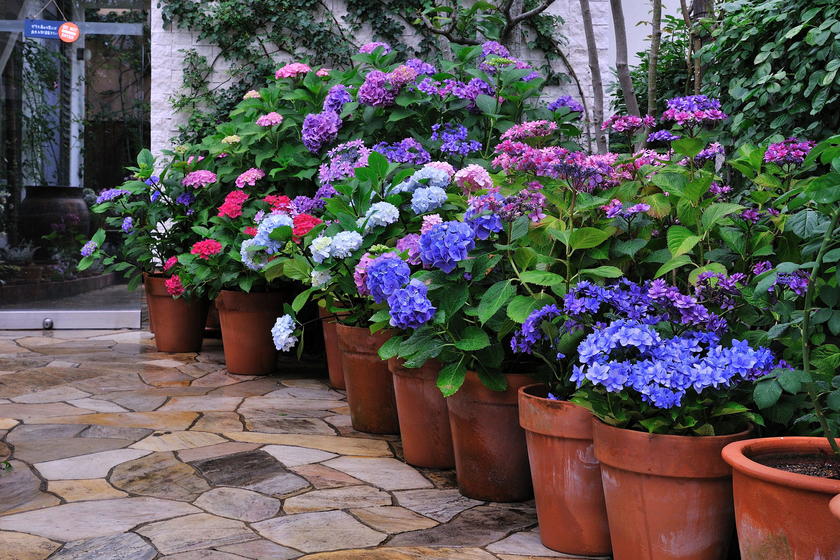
251,94
174,287
250,177
368,48
473,178
529,129
232,206
206,248
198,179
323,72
443,166
223,155
360,274
170,262
429,221
194,159
270,119
292,70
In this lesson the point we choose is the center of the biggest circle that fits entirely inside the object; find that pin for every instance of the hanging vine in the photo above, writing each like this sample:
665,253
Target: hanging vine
251,35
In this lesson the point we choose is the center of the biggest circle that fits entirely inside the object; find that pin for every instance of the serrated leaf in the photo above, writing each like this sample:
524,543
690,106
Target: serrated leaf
603,272
520,307
587,237
494,298
681,240
672,264
716,212
767,393
391,348
450,378
472,339
540,278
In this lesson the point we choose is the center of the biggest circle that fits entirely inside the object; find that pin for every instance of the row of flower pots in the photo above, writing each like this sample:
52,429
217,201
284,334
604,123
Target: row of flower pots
599,489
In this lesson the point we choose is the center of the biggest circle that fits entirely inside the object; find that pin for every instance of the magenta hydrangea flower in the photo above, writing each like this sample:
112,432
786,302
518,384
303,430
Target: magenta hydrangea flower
791,151
410,244
693,110
473,178
529,129
199,179
368,48
250,177
270,119
292,70
360,274
628,123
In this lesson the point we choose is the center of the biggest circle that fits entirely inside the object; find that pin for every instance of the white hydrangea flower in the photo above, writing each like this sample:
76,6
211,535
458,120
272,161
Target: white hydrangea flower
283,333
345,243
320,278
320,248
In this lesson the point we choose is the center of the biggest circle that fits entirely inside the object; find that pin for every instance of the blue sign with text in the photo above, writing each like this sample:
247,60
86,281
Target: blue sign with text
41,28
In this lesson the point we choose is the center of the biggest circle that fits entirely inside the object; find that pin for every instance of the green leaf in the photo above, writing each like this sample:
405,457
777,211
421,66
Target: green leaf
378,164
833,400
391,348
681,240
587,237
688,146
473,338
808,223
767,393
494,298
453,298
603,272
716,212
450,378
540,278
301,299
520,307
672,264
629,248
486,103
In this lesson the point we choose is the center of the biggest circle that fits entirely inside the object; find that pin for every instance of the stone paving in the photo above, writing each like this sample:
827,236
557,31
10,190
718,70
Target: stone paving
124,453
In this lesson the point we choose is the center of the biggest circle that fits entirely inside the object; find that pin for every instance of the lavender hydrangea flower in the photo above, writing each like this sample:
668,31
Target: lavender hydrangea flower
377,90
433,177
791,151
446,244
410,244
247,254
421,67
110,194
127,224
662,136
426,199
185,199
530,332
385,275
453,138
566,101
407,150
410,306
369,48
483,214
89,248
320,129
343,160
336,98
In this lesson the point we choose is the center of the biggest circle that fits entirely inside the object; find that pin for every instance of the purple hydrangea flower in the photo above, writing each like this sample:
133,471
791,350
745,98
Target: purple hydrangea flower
343,161
446,244
791,151
410,244
662,136
421,67
89,248
377,90
566,101
385,275
368,48
127,224
530,332
454,139
407,150
110,194
761,267
185,199
320,129
410,306
336,98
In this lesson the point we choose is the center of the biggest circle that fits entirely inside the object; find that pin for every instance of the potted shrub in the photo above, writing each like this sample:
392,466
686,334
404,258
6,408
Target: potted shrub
799,474
154,214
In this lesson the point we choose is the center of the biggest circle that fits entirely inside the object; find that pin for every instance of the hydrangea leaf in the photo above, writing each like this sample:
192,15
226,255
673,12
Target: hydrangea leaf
473,338
451,377
767,393
716,212
494,298
672,264
681,240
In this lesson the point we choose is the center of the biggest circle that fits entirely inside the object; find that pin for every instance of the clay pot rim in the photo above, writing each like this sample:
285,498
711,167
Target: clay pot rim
524,393
736,454
674,437
834,506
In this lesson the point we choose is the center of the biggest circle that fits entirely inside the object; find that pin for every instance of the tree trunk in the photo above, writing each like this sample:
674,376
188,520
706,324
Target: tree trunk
621,66
695,44
595,70
653,56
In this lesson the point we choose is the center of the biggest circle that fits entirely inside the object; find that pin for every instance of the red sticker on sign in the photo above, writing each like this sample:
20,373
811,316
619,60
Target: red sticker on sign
68,32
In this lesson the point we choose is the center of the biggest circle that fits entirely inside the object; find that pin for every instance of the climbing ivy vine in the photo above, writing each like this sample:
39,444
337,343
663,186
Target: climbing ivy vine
251,35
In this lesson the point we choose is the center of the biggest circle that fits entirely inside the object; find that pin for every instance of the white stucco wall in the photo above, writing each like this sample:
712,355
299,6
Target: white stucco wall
167,60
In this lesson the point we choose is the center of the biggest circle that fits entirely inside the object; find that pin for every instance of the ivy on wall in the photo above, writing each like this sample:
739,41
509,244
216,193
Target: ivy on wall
252,34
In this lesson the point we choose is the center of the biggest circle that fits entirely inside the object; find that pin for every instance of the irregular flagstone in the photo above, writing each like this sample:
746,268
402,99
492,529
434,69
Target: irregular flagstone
173,441
203,403
293,456
282,404
286,413
252,470
320,476
306,383
160,475
44,412
195,532
321,393
333,444
386,473
260,550
440,505
165,363
165,377
8,423
524,544
202,555
479,526
405,553
317,532
29,432
125,336
127,381
20,546
62,364
237,503
56,394
154,420
218,422
123,546
219,450
253,388
97,405
51,449
83,490
392,519
117,432
216,379
337,498
275,424
94,465
138,401
84,520
20,488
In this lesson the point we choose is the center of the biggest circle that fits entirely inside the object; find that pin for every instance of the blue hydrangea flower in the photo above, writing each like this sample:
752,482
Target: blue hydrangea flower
247,255
345,243
283,333
185,199
432,176
530,332
127,224
88,248
380,214
427,199
320,248
385,275
155,196
269,224
410,307
153,180
445,244
110,194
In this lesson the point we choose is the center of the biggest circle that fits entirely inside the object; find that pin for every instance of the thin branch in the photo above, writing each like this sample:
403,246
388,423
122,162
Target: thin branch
447,32
595,70
513,21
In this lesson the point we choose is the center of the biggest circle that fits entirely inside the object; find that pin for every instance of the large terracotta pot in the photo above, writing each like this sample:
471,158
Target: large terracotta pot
424,418
246,320
782,515
668,497
334,368
834,506
370,385
178,324
565,473
491,458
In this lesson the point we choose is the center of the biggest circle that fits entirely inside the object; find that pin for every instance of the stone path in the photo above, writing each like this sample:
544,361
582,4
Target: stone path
124,453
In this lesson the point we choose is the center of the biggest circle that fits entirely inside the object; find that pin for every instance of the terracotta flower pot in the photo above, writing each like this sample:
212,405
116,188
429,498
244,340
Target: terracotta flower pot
491,458
246,320
668,497
424,418
782,515
565,473
370,385
334,368
834,506
178,324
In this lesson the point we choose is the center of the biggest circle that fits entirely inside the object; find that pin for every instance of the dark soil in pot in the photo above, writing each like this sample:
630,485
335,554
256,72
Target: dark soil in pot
819,465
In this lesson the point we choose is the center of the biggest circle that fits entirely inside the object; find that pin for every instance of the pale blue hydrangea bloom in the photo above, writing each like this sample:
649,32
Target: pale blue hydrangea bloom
248,255
269,224
283,333
320,278
380,214
427,199
320,248
345,243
